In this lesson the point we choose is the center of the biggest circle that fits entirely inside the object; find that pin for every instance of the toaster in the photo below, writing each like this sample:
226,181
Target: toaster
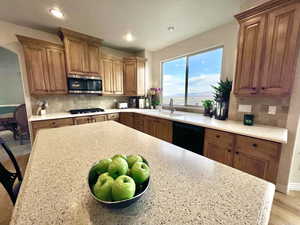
122,105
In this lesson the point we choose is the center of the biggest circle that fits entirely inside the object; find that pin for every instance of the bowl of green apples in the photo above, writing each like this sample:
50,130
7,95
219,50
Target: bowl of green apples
119,181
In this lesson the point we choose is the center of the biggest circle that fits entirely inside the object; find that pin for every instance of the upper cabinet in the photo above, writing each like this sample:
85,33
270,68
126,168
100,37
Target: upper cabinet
45,65
134,76
82,53
268,48
112,71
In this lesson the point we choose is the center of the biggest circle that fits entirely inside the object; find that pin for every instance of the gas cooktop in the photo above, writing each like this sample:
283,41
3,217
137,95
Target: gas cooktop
90,110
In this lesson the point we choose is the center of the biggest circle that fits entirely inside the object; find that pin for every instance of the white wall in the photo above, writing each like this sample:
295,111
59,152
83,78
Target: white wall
225,35
11,88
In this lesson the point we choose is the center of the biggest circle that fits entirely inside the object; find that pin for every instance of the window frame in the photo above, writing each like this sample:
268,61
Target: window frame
186,75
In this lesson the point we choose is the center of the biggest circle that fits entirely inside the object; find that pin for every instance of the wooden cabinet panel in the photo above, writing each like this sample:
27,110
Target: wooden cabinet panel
93,59
44,124
218,145
76,56
113,116
150,125
82,120
36,65
130,86
57,70
268,49
249,57
118,76
126,118
138,122
107,68
164,130
98,118
281,50
140,78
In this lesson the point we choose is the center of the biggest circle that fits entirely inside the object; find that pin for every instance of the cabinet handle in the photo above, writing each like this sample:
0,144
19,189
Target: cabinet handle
217,136
254,88
254,145
263,88
237,153
229,150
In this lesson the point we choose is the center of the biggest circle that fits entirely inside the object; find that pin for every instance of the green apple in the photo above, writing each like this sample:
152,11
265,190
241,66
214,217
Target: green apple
140,172
132,159
102,166
103,187
119,155
123,188
117,167
128,172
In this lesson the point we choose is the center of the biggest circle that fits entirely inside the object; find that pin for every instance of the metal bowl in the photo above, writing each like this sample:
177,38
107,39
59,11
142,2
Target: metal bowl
140,190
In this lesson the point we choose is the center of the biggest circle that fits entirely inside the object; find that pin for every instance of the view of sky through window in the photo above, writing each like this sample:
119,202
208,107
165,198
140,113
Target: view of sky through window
204,70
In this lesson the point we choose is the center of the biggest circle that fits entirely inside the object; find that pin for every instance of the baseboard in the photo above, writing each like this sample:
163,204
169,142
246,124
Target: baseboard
294,186
282,188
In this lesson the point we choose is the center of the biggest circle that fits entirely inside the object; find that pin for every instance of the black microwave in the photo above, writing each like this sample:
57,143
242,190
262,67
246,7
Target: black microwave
84,85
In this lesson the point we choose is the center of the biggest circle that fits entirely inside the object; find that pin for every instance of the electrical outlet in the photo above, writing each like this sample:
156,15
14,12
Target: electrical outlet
245,108
272,110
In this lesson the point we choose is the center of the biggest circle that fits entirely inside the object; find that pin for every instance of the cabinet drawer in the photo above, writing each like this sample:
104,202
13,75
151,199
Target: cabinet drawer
113,116
219,138
99,118
257,147
52,123
82,120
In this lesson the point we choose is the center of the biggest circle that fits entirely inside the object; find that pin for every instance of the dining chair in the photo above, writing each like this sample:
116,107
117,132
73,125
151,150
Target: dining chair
7,178
20,116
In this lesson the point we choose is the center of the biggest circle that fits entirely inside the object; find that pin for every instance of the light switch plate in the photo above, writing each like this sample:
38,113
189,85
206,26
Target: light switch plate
272,110
245,108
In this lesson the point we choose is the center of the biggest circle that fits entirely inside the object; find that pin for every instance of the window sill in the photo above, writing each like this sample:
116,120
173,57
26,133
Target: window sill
194,109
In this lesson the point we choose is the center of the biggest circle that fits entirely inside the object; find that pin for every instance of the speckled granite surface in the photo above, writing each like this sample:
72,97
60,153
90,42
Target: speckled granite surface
185,188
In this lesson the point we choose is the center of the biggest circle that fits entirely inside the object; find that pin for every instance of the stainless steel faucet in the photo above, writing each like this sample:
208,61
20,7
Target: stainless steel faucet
172,105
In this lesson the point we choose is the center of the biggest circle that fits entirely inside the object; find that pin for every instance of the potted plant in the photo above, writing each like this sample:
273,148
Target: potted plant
155,96
208,106
222,96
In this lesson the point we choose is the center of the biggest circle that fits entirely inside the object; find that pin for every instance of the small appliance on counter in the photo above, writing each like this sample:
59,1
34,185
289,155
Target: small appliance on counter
84,85
82,111
122,105
141,103
133,102
248,119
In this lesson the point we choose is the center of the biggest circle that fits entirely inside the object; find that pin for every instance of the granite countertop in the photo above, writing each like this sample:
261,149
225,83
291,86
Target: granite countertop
185,188
269,133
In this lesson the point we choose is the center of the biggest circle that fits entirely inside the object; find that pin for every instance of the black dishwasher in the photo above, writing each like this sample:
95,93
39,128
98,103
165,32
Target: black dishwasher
189,137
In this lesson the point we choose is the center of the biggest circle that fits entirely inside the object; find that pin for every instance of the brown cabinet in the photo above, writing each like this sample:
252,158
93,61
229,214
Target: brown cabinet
89,119
82,53
112,71
37,125
45,65
134,76
160,128
126,118
268,48
251,155
218,146
138,122
113,116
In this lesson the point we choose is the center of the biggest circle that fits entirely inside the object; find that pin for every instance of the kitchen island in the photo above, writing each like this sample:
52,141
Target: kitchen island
185,188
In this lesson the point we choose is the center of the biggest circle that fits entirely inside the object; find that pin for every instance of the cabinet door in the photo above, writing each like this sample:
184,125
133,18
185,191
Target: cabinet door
107,72
250,46
126,119
57,71
76,55
82,120
164,130
98,118
130,85
140,77
118,76
93,53
138,122
282,43
37,69
150,126
113,116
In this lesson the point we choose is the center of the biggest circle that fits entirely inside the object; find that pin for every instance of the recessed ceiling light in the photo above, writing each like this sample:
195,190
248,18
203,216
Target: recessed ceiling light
128,37
171,28
57,13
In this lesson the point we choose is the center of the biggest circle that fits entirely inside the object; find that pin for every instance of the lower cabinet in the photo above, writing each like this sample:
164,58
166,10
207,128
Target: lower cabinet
113,116
126,118
251,155
138,122
89,119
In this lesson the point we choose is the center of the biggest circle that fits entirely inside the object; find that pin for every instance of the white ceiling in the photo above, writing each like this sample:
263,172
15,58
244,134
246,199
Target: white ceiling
110,20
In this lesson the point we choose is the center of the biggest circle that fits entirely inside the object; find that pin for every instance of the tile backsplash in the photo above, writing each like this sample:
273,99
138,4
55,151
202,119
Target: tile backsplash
63,103
260,108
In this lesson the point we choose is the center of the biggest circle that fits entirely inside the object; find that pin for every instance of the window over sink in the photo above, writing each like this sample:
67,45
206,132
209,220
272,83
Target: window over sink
189,79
